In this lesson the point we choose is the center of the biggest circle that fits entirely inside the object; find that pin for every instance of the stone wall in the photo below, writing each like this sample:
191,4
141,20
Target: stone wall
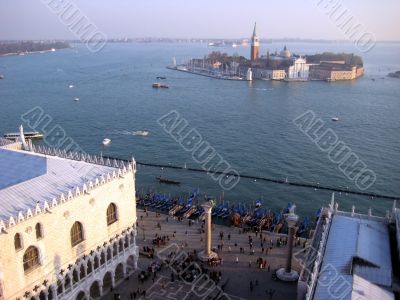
55,250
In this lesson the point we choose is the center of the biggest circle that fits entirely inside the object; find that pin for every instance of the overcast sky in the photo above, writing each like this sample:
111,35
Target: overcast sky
32,19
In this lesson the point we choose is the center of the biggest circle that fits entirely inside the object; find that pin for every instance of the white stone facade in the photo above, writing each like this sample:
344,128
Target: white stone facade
106,254
299,69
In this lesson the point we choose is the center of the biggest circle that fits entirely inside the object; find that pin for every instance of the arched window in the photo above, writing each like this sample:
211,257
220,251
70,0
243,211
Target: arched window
31,258
76,234
39,231
111,214
18,241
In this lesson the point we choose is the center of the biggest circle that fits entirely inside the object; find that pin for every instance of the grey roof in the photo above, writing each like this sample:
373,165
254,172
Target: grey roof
365,290
373,247
355,247
27,178
18,167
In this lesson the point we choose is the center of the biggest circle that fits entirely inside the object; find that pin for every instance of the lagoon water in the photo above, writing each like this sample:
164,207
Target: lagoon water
249,124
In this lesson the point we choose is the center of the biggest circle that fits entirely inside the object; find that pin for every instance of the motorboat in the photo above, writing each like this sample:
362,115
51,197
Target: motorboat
76,99
161,77
106,142
158,85
335,119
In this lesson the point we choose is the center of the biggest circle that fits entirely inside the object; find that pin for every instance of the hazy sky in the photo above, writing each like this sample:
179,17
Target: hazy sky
32,19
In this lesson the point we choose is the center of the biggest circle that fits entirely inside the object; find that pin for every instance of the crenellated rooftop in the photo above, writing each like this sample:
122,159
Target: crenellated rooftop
32,183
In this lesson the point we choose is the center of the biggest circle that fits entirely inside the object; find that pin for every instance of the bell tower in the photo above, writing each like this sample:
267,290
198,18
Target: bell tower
255,44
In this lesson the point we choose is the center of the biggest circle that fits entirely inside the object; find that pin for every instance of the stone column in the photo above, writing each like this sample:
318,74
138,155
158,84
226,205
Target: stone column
208,228
292,230
207,253
287,274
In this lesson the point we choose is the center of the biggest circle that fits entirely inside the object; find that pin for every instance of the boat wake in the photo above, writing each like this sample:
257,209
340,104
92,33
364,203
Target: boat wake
136,133
140,133
263,89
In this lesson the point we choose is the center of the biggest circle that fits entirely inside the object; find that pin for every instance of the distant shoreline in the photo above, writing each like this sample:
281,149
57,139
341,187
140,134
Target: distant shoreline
22,47
29,52
206,40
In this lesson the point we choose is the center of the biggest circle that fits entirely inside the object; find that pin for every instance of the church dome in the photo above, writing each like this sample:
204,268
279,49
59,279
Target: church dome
285,53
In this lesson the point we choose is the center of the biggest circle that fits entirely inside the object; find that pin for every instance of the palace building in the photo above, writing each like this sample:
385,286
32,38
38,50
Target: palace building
67,223
255,44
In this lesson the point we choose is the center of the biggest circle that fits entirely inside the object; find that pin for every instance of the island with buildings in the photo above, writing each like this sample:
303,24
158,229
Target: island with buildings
73,227
283,65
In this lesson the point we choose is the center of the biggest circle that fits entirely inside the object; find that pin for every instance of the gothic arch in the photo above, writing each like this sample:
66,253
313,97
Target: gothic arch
96,262
82,272
109,255
89,267
102,258
115,248
119,272
42,295
75,276
95,290
107,281
126,242
81,296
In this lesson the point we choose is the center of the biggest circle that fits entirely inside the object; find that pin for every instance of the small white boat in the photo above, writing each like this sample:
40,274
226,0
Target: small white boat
140,133
76,99
335,119
53,50
106,142
71,86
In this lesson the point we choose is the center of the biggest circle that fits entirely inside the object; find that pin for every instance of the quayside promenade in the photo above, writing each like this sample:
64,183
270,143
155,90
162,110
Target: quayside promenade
238,273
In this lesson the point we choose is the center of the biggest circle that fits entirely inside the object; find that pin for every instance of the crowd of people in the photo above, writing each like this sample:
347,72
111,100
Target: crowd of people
160,240
149,252
186,267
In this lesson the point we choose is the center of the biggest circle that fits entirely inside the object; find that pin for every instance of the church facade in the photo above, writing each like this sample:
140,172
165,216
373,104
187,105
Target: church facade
67,224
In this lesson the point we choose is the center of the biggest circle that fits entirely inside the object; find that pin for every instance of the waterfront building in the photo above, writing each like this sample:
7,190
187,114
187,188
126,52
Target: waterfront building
278,74
268,74
352,256
67,223
255,44
332,71
299,70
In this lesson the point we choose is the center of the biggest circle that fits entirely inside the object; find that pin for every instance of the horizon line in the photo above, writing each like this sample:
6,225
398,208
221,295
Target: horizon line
198,39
